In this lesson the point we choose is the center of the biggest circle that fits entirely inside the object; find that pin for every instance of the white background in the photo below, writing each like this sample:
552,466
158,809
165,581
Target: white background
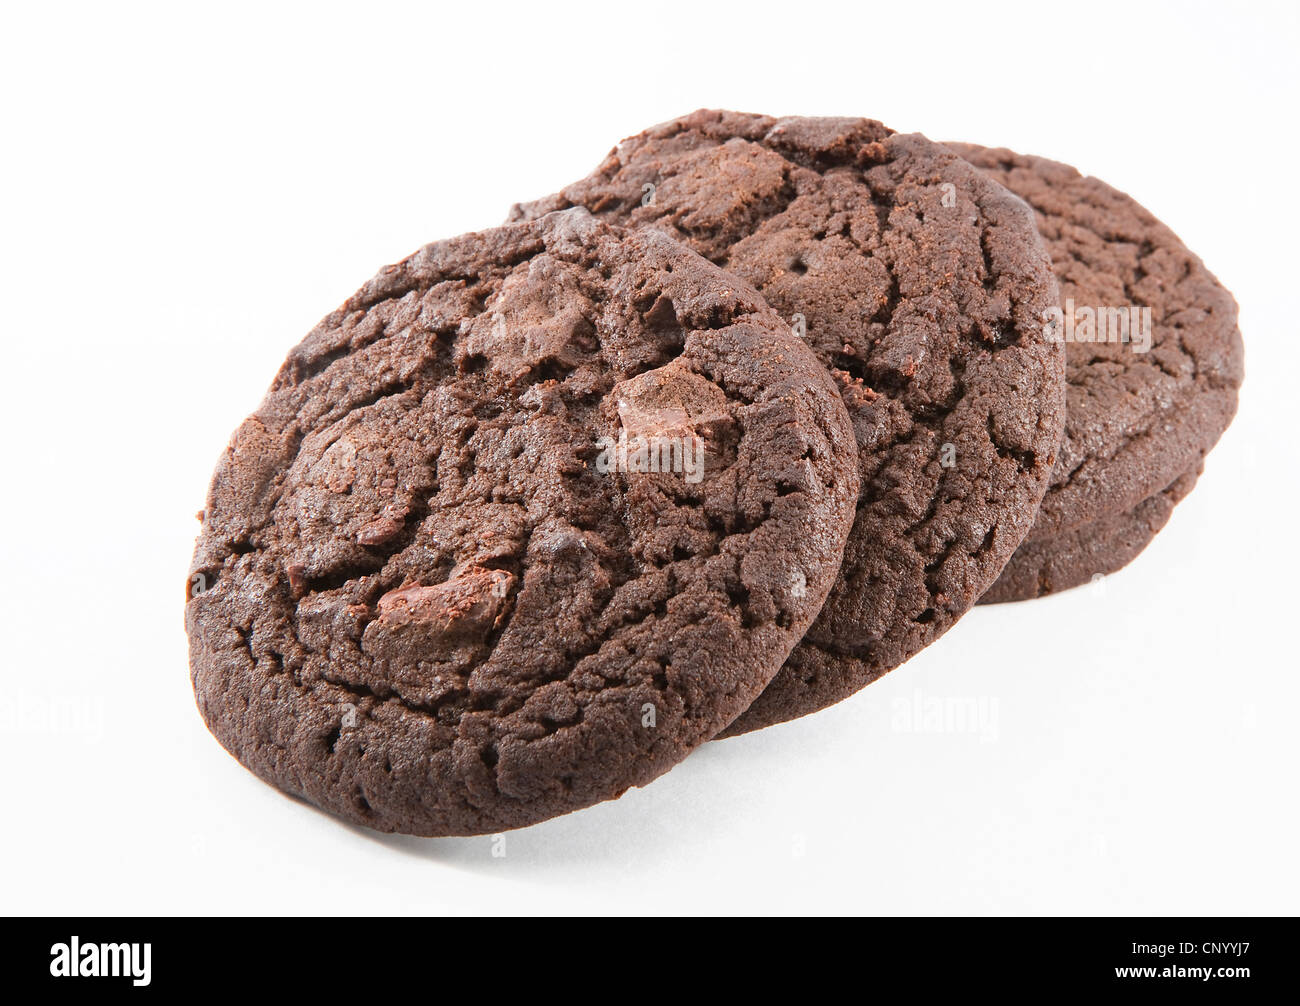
186,193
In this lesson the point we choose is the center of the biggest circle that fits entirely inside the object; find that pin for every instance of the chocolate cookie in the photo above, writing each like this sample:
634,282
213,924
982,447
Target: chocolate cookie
920,285
1153,364
532,515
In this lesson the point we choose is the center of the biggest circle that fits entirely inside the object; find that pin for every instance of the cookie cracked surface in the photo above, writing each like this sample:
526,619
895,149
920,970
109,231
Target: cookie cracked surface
419,602
920,286
1138,423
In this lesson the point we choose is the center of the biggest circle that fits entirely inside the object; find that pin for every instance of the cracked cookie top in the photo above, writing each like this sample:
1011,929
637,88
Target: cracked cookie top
1142,410
920,286
533,514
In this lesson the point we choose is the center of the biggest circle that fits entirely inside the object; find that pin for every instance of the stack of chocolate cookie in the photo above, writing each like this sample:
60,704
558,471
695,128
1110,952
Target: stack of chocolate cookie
704,442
